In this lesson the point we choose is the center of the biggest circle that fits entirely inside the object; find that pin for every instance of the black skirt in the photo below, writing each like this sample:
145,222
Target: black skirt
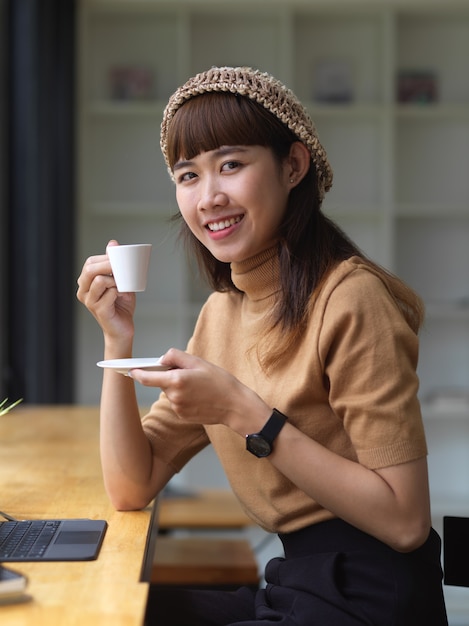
331,575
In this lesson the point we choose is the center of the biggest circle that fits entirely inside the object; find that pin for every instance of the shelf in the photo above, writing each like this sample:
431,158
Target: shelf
346,111
432,161
434,257
438,42
356,151
237,44
355,40
400,185
431,210
122,35
432,112
118,144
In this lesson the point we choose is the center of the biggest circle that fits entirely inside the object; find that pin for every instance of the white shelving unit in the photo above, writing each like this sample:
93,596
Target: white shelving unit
401,185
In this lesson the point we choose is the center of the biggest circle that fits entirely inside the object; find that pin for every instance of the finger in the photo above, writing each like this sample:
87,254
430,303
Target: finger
112,242
101,285
179,359
149,378
94,268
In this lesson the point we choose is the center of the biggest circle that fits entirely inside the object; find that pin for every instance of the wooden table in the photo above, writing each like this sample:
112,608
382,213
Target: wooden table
50,467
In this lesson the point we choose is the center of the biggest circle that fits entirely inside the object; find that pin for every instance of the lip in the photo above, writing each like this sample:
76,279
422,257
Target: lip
224,231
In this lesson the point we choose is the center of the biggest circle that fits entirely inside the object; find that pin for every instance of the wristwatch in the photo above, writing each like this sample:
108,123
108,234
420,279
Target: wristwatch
260,444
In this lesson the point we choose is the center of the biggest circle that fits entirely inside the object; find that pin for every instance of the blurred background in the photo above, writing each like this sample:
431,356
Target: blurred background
83,85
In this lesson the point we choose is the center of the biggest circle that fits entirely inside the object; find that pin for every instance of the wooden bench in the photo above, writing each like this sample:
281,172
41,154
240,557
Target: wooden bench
204,562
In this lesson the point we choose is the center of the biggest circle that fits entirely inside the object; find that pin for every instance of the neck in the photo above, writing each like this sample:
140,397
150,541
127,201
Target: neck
257,276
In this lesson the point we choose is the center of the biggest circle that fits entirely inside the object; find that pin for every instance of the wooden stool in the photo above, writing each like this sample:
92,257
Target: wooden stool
207,509
204,562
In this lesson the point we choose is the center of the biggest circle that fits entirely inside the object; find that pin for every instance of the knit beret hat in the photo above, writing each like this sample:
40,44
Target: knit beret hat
266,91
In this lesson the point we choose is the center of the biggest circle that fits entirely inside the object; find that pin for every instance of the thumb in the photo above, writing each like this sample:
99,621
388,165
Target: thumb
179,359
112,242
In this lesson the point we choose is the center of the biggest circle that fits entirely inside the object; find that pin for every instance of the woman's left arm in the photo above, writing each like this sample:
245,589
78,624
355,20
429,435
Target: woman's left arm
392,504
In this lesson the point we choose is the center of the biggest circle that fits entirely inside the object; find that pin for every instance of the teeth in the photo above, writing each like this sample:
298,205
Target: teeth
215,226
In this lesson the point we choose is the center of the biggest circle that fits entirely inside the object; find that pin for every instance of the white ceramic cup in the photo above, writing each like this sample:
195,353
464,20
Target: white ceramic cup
130,265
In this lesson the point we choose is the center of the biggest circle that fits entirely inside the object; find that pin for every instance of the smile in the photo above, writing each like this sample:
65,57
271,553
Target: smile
216,226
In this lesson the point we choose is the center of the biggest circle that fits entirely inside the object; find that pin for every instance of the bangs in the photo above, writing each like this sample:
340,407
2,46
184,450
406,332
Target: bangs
212,120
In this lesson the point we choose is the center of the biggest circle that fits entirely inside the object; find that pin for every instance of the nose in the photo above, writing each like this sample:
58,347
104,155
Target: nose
212,195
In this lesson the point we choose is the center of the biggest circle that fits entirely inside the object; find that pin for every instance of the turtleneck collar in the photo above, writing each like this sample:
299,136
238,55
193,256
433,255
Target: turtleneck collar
258,276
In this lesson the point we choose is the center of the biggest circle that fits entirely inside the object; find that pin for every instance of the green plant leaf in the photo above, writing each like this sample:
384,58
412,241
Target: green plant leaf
5,408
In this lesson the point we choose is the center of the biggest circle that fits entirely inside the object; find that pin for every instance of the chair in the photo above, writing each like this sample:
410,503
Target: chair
456,551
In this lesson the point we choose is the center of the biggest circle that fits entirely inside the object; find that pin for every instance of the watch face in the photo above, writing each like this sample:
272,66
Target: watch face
258,445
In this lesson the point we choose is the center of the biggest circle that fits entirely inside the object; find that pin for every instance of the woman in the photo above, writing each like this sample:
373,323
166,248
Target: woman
301,373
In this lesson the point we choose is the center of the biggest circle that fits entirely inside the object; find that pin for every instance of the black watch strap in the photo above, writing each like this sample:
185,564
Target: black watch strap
273,425
260,444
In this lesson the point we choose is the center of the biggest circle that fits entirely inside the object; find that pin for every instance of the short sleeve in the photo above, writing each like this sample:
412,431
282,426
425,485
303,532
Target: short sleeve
369,355
173,441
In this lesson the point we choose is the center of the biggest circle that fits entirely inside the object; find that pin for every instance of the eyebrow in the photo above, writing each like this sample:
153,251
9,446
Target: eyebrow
224,150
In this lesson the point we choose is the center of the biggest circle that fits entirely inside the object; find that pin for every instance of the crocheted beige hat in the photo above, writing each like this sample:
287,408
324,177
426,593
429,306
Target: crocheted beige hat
265,90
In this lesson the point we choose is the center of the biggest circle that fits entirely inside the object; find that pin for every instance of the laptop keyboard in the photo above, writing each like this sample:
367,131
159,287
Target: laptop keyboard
25,538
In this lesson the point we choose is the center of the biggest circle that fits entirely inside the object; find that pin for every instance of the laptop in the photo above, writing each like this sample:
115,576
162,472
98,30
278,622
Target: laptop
51,540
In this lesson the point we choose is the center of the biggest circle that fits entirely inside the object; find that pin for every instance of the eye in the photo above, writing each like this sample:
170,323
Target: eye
230,165
185,177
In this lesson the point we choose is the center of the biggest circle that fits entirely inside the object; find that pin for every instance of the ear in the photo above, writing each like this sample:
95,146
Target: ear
298,163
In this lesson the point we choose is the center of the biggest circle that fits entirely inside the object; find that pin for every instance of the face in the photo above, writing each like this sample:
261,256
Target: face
233,199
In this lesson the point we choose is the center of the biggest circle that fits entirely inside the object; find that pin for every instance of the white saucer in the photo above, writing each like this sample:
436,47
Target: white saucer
122,366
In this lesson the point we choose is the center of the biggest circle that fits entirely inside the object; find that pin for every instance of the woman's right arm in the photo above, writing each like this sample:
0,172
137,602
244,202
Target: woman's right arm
132,475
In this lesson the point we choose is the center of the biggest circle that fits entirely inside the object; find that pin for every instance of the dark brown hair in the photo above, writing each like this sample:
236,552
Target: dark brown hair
310,244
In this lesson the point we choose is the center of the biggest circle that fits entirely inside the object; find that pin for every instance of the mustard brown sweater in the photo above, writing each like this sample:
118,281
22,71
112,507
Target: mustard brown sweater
350,384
